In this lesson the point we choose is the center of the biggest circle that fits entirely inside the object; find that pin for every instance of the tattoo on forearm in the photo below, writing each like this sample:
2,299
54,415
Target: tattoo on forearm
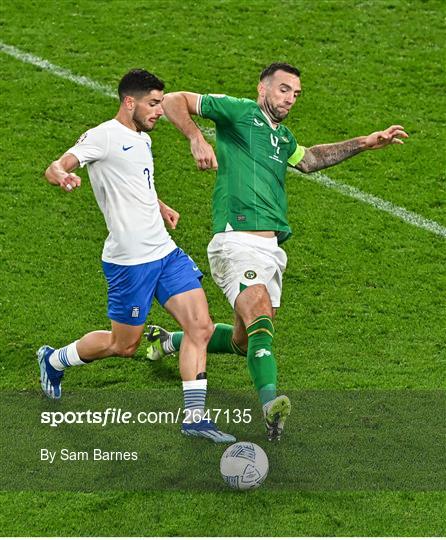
325,155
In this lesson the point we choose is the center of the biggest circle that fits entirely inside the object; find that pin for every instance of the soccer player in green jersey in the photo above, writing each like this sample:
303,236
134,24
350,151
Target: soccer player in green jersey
250,220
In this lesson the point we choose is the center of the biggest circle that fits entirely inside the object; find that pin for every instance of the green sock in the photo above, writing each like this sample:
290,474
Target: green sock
221,340
176,340
267,393
261,362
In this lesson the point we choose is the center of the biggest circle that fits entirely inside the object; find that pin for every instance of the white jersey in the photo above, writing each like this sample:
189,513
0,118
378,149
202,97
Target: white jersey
120,167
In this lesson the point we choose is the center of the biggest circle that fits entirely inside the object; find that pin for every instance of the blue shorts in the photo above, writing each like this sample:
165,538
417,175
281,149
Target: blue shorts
131,288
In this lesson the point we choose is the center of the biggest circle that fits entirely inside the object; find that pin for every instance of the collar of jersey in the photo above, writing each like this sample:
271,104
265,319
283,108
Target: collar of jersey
128,130
268,119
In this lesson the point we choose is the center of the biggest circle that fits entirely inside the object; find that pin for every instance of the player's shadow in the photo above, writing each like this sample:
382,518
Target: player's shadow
165,369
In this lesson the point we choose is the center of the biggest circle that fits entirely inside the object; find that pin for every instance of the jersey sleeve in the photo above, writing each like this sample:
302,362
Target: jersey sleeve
91,146
296,154
221,108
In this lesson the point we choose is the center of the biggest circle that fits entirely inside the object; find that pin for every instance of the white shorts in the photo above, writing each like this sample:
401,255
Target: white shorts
238,260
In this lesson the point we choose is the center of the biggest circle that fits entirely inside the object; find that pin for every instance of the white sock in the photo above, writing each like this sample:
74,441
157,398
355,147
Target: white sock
167,345
66,357
194,398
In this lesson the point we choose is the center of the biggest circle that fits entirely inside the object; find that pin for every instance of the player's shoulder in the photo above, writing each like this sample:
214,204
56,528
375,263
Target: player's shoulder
98,130
227,99
108,124
89,135
224,108
247,103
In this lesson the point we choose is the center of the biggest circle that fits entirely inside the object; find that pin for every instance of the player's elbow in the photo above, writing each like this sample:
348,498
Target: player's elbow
180,100
304,167
172,99
308,163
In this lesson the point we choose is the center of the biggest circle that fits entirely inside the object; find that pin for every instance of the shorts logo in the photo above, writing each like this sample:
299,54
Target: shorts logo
135,312
194,266
241,218
250,274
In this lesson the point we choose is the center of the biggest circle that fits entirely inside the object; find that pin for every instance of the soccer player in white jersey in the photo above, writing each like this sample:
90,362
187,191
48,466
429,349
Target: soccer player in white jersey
140,260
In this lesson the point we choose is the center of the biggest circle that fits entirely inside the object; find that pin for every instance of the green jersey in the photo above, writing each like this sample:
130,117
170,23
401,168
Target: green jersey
252,156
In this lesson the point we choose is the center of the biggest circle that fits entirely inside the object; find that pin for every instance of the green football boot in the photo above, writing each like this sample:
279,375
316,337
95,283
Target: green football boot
157,337
276,412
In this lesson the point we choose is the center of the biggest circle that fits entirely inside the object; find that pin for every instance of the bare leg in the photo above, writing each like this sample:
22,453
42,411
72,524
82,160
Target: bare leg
123,340
190,309
239,334
251,303
253,307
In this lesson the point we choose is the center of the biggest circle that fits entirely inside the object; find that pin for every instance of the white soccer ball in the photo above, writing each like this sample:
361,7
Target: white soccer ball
244,465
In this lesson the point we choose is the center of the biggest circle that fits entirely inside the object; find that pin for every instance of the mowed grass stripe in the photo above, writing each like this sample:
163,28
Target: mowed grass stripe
380,204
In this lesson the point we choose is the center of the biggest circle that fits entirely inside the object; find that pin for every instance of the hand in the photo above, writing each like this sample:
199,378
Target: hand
380,139
204,154
169,215
69,181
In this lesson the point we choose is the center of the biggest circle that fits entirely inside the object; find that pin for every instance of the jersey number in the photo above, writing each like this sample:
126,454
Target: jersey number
147,171
275,143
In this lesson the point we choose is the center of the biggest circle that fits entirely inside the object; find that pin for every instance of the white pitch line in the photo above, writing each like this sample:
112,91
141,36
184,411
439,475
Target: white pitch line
405,215
398,211
56,70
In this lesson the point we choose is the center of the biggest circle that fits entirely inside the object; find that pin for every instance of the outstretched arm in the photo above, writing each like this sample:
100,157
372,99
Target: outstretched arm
178,108
325,155
60,172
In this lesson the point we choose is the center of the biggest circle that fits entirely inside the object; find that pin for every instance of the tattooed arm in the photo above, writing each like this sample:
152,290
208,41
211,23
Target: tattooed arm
325,155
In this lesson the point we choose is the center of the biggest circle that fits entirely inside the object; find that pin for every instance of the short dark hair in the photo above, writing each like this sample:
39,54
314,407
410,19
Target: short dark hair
276,66
138,81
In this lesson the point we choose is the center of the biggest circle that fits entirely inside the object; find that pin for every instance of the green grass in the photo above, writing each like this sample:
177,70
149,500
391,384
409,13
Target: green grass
217,514
363,300
376,440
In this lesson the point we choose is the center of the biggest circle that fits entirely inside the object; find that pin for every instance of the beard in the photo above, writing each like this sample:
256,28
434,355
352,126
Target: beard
276,114
138,120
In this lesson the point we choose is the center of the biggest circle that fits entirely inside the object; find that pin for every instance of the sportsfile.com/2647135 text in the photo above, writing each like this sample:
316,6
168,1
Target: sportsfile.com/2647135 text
113,415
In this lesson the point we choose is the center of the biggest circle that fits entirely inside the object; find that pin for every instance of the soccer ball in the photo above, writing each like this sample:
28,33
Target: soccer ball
244,465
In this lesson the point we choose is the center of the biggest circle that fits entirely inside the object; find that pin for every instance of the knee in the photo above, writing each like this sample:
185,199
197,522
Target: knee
125,349
200,331
253,302
262,300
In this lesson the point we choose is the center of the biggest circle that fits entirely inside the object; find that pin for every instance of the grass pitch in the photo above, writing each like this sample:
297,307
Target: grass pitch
363,301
